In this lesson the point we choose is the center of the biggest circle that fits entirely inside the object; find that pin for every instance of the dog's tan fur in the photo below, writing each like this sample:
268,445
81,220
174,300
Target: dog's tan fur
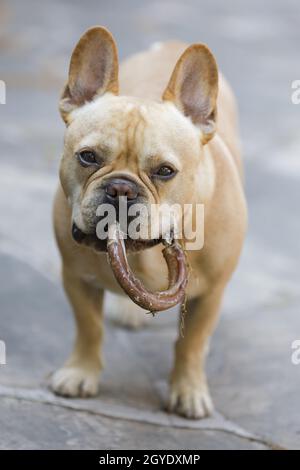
129,128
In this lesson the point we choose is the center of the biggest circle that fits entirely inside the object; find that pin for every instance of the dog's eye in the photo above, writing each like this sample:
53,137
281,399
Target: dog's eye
87,158
164,172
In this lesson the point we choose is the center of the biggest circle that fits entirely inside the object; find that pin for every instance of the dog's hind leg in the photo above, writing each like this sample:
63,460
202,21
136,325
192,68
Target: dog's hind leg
79,377
189,394
122,311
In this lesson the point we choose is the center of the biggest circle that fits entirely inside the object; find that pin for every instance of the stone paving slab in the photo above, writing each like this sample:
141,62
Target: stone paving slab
253,379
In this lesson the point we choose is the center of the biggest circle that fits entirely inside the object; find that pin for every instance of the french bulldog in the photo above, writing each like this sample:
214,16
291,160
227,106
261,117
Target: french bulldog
161,130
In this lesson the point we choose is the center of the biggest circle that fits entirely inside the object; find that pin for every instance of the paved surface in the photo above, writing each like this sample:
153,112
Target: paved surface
254,384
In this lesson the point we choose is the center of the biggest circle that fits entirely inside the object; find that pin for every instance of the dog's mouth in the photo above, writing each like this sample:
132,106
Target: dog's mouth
98,244
116,247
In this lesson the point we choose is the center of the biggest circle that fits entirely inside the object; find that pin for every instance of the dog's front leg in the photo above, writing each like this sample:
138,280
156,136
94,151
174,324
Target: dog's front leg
189,394
79,377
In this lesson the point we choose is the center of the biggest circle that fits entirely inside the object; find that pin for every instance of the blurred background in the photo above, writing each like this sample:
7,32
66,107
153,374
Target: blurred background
253,382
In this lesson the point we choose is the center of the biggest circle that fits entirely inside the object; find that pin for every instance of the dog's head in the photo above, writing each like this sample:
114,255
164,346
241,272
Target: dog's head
121,148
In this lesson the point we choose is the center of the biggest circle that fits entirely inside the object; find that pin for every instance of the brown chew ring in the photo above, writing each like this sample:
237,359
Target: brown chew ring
152,301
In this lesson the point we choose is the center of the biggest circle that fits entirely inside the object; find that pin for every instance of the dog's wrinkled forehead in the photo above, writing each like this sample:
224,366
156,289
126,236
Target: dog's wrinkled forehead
126,125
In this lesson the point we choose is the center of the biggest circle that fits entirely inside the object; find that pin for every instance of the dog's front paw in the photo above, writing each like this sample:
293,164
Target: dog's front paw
190,401
72,381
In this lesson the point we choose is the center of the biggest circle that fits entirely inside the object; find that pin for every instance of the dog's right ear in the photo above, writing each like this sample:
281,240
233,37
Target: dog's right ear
93,70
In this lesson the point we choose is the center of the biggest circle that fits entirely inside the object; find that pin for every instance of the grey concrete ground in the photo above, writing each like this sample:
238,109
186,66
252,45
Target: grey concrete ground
254,384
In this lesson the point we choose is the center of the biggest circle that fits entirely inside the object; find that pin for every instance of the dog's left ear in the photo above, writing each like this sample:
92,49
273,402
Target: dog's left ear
93,70
193,88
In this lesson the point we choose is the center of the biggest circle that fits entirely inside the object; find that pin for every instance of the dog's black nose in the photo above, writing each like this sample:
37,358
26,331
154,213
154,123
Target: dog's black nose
121,187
